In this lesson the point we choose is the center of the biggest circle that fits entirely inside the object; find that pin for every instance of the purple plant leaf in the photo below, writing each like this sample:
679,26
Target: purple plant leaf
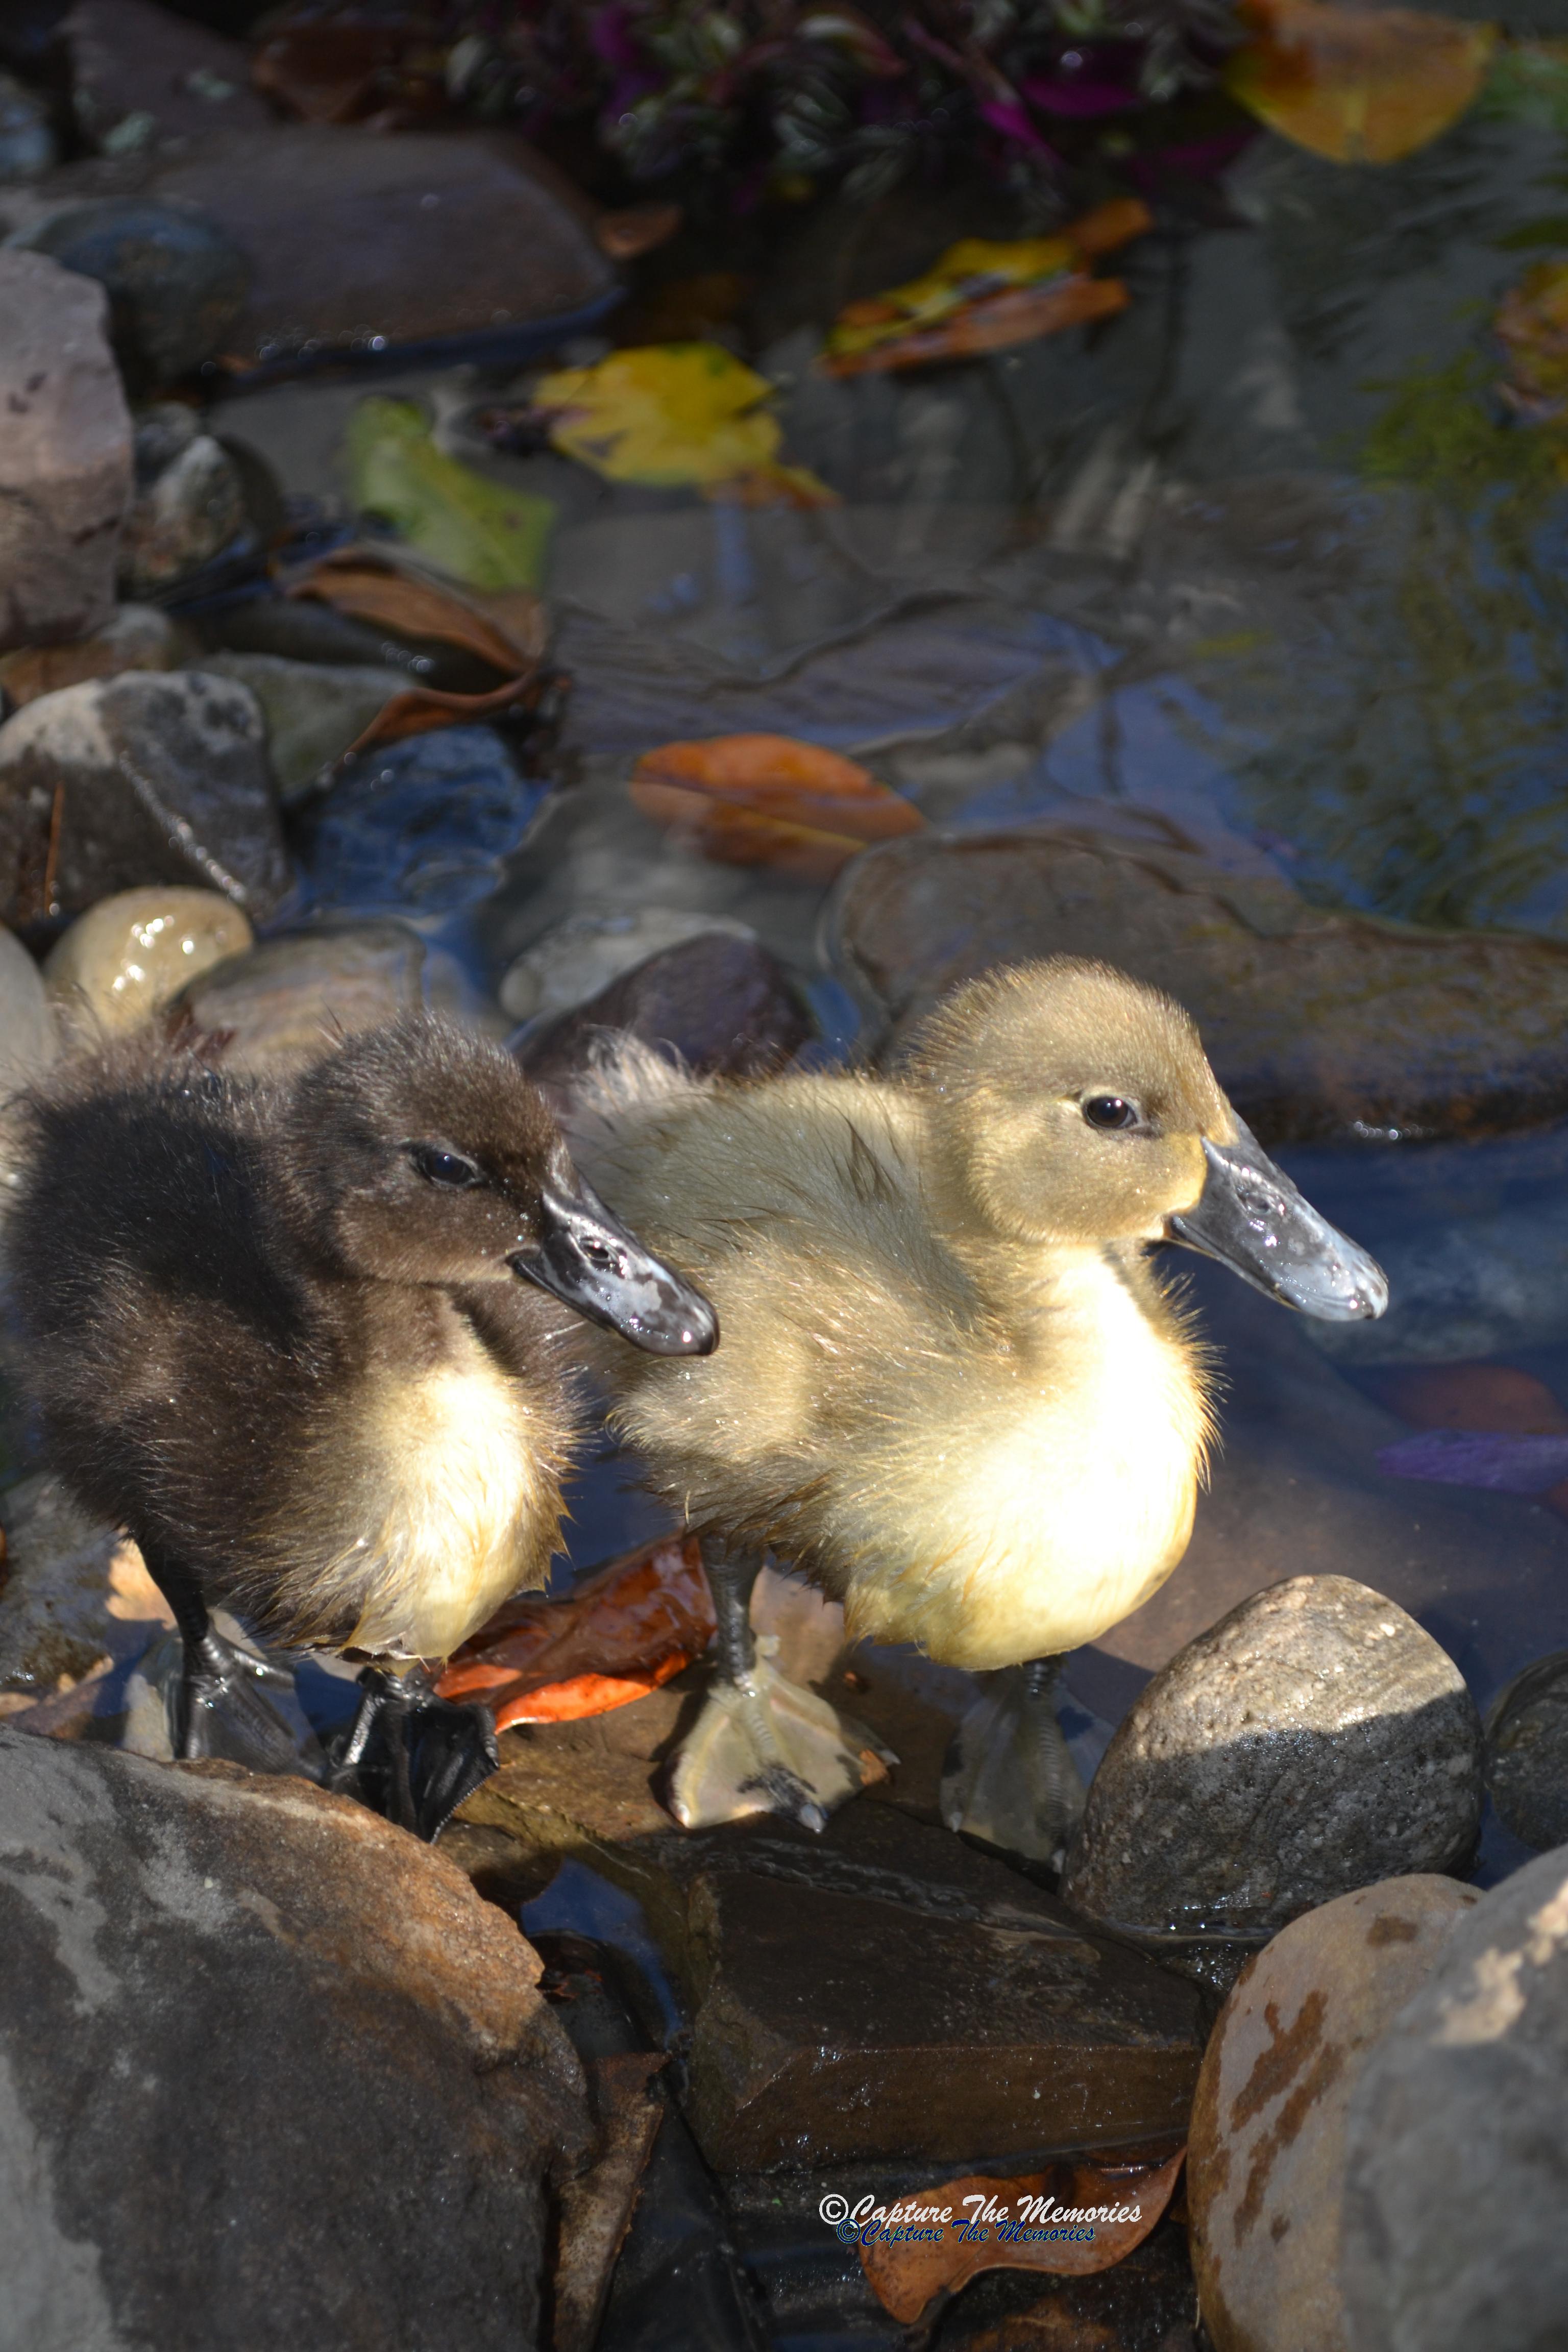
1080,98
1458,1457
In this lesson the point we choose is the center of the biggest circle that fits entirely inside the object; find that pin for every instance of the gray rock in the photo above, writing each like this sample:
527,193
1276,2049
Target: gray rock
143,78
427,824
1527,1752
134,780
27,144
1318,1024
134,636
187,513
273,2071
1313,1741
1266,2160
1481,1287
65,455
724,1005
175,279
315,710
1458,2141
588,951
27,1032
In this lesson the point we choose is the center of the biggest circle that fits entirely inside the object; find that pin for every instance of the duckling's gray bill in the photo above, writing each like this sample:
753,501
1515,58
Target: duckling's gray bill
1252,1219
587,1257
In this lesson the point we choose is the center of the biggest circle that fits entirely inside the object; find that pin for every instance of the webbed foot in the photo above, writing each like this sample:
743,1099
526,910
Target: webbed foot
410,1755
216,1705
763,1744
1009,1777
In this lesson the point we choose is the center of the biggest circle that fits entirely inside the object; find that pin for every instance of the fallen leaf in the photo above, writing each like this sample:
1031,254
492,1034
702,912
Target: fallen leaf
470,527
636,230
1359,86
1532,324
986,295
769,800
1036,2229
1465,1457
618,1636
672,415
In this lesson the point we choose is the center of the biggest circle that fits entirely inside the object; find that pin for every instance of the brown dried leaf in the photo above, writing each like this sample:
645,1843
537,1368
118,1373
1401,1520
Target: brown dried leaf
769,800
506,627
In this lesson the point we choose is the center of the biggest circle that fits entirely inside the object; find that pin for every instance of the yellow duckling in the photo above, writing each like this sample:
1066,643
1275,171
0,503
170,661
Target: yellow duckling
952,1390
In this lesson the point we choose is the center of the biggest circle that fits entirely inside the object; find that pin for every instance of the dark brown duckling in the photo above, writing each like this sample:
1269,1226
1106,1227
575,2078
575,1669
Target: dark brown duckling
303,1341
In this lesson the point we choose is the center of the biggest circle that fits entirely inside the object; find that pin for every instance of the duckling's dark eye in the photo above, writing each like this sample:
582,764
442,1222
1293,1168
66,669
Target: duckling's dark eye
439,1166
1109,1111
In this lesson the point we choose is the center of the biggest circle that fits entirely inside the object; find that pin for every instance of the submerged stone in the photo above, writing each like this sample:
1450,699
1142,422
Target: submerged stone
293,999
174,279
1457,2141
134,780
587,951
315,710
1266,2161
722,1005
142,77
65,455
1527,1752
1315,1740
426,824
250,1985
188,508
1319,1024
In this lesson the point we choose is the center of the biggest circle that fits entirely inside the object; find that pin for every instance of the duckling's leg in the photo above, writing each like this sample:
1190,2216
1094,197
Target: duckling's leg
762,1744
410,1755
1009,1777
219,1709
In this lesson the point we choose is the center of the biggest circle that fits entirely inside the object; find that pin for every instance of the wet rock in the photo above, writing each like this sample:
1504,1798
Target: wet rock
1527,1752
427,824
587,951
55,1612
1266,2161
65,456
314,710
131,954
189,504
290,1000
250,1988
1313,1741
1457,2141
722,1004
134,780
1319,1024
174,279
1480,1287
134,636
26,1030
142,77
27,144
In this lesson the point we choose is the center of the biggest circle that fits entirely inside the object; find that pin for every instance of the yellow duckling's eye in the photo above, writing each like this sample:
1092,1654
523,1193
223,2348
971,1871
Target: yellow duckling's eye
1109,1111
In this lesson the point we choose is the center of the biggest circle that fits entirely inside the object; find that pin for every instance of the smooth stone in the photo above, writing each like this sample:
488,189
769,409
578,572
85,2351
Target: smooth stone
142,76
427,824
27,145
187,514
882,1991
257,2025
27,1028
1484,1286
721,1004
158,779
134,636
130,954
293,999
1315,1740
1457,2143
175,279
589,950
1527,1752
1320,1024
1266,2161
314,712
65,455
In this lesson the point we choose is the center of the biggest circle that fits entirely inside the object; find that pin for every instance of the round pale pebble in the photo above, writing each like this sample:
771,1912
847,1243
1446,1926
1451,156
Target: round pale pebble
27,1035
1267,2156
131,954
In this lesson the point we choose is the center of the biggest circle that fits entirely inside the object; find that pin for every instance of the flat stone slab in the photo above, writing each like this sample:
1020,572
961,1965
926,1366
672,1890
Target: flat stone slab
1321,1025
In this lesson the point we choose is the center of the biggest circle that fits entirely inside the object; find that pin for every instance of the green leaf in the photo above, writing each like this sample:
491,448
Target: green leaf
468,526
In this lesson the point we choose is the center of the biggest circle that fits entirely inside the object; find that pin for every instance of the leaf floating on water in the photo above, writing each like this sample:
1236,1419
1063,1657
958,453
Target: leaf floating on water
618,1636
470,527
674,416
1532,324
769,800
985,295
1038,2232
1462,1457
1528,83
1359,86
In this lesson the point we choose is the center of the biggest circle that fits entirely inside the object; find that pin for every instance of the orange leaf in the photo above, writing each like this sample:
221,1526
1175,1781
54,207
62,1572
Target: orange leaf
1025,2224
993,322
619,1635
1359,86
769,800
